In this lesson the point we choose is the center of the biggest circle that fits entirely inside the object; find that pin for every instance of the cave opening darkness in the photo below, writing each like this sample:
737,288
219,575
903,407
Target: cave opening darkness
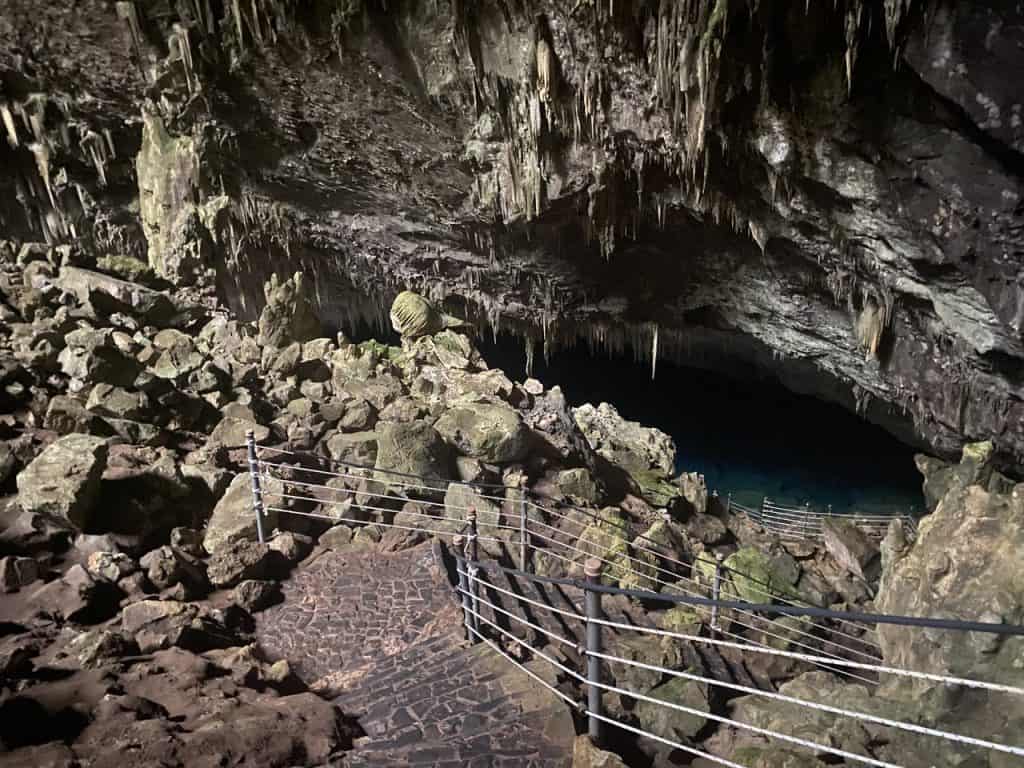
749,436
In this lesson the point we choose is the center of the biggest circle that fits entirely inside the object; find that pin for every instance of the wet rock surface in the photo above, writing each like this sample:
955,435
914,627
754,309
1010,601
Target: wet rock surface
541,168
140,611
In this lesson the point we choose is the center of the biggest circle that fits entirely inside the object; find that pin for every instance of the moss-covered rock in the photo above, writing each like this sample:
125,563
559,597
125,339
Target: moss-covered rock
673,723
487,431
756,577
289,314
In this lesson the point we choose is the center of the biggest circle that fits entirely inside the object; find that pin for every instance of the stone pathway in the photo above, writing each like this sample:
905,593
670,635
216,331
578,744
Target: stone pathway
382,632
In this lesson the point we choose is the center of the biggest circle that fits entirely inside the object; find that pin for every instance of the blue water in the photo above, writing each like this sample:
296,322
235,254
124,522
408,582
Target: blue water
753,439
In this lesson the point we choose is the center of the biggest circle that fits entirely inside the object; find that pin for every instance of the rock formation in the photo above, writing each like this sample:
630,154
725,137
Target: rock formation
828,193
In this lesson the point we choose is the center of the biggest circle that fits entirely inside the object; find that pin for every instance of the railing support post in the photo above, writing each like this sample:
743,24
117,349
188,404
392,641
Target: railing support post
716,590
257,492
524,536
458,542
592,605
471,568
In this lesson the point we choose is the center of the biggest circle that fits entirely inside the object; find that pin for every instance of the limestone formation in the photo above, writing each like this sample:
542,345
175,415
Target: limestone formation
289,314
413,316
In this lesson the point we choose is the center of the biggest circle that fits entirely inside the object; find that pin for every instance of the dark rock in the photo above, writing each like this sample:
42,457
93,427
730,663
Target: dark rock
851,549
189,541
292,546
111,566
241,560
255,595
289,315
167,567
77,597
17,572
64,480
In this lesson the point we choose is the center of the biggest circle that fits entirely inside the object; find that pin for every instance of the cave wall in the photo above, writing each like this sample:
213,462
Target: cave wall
831,191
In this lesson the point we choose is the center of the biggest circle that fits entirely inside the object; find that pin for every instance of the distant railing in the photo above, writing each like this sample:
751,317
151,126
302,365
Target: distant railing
806,523
525,529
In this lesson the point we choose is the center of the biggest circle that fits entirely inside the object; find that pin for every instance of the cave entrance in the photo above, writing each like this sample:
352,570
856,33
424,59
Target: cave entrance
750,437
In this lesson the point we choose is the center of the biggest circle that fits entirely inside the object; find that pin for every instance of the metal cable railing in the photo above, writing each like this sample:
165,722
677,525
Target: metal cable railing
469,573
461,522
572,554
545,504
804,523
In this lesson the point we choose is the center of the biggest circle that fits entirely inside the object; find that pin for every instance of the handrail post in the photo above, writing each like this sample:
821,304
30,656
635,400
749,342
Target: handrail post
524,542
716,590
471,568
257,492
458,542
592,605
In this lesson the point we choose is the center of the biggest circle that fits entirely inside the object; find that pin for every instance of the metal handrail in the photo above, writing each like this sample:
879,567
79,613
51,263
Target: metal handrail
469,568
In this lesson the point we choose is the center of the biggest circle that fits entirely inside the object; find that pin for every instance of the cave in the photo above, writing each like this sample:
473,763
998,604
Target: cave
743,430
297,298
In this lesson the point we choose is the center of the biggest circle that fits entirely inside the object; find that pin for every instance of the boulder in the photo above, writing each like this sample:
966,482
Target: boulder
606,538
231,432
157,624
291,546
358,416
233,517
64,480
17,572
671,723
628,444
965,563
358,448
178,355
119,403
336,538
65,415
255,595
107,295
91,355
487,431
166,567
289,314
460,498
586,755
8,461
756,577
75,596
851,548
578,485
414,448
110,566
240,560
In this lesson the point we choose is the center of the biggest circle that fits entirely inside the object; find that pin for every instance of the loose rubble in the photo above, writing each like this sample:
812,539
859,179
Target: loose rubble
128,552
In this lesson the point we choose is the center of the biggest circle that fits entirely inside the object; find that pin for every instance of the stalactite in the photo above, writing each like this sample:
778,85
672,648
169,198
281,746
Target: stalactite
654,352
8,120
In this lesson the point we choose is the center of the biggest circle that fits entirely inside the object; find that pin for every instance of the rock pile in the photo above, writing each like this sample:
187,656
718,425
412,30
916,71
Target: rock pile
129,560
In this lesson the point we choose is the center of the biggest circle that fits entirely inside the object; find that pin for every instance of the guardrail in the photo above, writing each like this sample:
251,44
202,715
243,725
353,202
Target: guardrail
806,523
527,529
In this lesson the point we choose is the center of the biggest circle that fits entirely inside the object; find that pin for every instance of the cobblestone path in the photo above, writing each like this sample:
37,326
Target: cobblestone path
382,633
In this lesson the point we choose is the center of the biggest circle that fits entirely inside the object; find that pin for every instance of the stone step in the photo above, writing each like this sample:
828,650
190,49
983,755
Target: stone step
384,630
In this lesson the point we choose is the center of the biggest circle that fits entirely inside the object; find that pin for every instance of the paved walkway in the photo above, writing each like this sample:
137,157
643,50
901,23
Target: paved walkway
382,633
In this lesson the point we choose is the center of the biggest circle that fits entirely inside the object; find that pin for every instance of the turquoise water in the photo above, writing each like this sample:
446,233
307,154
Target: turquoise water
749,438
